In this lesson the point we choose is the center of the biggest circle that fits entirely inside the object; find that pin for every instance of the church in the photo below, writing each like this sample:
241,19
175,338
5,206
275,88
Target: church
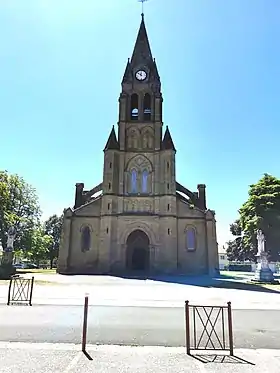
139,219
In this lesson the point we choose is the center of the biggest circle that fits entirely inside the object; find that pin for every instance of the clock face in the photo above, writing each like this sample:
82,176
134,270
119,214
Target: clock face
141,75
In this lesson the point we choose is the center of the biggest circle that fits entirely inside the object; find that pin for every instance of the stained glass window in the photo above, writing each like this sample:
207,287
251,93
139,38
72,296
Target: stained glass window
145,181
191,239
133,181
85,239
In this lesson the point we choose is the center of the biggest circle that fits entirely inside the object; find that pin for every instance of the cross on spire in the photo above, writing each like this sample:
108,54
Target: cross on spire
142,1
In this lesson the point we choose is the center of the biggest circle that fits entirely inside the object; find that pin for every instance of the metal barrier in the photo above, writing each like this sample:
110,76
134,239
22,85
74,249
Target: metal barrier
20,290
209,328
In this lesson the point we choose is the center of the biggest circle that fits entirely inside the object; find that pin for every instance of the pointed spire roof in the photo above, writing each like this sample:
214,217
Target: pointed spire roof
142,57
127,73
167,142
112,142
156,74
142,50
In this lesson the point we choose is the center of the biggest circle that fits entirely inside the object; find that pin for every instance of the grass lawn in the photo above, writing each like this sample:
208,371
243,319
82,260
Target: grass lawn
31,272
244,277
237,274
40,270
275,287
36,282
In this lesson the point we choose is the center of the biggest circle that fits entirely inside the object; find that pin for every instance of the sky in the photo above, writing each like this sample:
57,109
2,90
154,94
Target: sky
61,65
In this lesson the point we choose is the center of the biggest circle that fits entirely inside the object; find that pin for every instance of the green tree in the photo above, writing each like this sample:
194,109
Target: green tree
260,211
39,245
19,207
237,249
53,228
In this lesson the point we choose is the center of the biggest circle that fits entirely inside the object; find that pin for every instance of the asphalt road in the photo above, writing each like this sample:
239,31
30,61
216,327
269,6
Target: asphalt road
127,326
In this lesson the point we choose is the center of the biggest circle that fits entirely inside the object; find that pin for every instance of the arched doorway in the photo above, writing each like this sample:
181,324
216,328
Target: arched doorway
138,254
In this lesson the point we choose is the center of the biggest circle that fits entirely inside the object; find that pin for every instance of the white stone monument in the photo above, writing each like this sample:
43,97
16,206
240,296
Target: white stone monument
7,257
263,272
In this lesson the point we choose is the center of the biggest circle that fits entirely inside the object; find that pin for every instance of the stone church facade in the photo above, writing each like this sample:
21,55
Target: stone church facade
139,218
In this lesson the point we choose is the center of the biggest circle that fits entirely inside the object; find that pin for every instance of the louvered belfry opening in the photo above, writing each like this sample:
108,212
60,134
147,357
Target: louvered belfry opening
134,107
147,107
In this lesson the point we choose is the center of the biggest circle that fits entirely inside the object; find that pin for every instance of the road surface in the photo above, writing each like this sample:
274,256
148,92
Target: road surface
152,326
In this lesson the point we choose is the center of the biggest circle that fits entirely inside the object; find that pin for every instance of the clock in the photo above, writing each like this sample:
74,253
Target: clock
141,75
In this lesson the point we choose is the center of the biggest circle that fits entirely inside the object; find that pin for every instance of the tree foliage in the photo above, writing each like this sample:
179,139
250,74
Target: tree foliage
53,228
39,245
260,211
19,207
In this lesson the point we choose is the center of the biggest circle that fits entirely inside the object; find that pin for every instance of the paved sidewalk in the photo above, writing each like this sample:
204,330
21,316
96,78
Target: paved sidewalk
60,358
127,292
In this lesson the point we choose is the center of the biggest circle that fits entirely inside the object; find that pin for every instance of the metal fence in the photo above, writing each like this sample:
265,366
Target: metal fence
20,290
208,328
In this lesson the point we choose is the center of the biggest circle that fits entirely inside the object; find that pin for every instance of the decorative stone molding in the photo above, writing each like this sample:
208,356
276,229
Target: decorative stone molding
86,225
138,205
133,138
147,138
145,227
139,162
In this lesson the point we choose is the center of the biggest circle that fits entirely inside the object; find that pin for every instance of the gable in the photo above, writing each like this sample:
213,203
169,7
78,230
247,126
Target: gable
186,209
92,208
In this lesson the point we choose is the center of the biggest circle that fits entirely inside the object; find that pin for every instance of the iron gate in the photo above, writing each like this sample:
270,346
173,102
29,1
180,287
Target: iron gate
20,290
209,328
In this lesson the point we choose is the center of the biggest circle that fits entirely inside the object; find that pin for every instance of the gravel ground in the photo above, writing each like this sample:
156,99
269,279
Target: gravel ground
47,358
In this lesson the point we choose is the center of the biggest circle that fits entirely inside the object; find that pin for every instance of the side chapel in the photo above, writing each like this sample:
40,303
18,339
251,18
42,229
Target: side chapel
139,218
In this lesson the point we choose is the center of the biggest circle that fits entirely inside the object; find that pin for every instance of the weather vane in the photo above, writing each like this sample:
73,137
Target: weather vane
142,1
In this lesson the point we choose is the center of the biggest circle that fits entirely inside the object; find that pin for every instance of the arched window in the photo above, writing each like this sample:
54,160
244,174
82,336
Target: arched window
145,175
134,109
133,181
85,239
147,107
191,239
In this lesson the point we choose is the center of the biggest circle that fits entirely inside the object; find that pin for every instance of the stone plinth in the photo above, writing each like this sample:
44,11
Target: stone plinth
263,272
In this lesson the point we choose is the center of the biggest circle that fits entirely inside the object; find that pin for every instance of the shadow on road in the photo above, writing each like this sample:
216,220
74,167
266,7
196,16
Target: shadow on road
222,359
221,281
87,355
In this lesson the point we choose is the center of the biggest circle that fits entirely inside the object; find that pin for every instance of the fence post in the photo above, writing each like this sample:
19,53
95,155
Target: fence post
187,319
31,291
9,293
230,333
84,336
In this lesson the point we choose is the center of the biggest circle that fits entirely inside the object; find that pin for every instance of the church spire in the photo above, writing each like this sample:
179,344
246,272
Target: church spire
141,57
167,142
112,142
142,52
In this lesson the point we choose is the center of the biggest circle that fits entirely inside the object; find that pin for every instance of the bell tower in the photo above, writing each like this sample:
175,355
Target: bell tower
140,101
144,160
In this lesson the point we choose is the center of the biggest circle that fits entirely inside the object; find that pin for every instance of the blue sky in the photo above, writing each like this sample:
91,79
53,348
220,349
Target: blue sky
61,64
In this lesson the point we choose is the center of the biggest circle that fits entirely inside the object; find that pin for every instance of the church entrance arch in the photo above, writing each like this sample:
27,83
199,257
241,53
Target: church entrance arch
137,252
